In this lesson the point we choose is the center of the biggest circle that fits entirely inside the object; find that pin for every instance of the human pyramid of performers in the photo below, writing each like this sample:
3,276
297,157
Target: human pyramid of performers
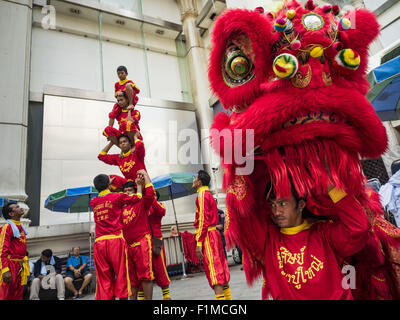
126,212
128,251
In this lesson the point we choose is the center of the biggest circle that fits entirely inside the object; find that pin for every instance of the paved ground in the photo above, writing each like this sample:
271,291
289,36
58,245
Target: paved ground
195,287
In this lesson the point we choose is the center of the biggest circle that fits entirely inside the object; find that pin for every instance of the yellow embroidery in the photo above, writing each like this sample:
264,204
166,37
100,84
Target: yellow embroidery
238,188
128,215
226,219
287,256
22,238
301,274
128,165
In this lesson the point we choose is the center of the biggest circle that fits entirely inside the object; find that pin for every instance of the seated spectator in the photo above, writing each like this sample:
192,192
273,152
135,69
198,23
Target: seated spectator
77,269
174,231
47,272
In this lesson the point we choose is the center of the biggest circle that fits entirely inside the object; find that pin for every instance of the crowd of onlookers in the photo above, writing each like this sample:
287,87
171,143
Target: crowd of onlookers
47,274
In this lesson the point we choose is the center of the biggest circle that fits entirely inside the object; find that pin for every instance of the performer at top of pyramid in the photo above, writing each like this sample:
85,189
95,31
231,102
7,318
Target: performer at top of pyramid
126,85
124,110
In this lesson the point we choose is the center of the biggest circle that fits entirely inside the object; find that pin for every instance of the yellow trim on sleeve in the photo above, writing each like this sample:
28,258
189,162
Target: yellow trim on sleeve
148,185
199,244
4,270
201,215
139,195
103,153
337,195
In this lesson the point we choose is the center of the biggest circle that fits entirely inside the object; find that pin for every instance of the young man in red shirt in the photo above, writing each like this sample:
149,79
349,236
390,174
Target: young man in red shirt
14,267
157,212
110,249
130,161
137,233
209,244
303,258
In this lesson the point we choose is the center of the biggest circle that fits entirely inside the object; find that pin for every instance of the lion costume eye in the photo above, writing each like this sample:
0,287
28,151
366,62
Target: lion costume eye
237,68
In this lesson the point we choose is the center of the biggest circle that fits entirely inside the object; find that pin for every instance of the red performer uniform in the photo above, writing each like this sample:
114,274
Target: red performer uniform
121,86
214,261
137,233
121,115
157,212
110,249
13,258
124,125
131,161
304,261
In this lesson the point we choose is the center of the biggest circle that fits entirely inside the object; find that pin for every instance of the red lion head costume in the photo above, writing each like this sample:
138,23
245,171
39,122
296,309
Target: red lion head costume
297,78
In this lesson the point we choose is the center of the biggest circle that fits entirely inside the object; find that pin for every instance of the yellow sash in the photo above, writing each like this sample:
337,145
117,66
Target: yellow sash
26,270
110,236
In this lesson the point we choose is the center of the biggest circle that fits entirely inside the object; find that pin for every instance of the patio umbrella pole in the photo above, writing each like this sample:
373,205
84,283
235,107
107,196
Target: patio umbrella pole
179,235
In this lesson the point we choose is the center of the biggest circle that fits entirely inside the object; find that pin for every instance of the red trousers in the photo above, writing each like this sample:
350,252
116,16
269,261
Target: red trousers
140,258
214,261
14,290
160,269
111,264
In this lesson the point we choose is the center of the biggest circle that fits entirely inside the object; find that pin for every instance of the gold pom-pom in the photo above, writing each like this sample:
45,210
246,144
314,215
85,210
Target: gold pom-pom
317,52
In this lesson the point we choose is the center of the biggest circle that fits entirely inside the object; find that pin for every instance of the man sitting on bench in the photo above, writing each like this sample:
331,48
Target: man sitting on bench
77,269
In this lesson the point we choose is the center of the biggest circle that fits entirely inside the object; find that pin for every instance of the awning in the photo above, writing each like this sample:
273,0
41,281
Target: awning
384,94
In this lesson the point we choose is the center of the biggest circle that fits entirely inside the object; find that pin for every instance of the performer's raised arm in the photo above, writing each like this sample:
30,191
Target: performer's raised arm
149,191
106,158
348,234
139,147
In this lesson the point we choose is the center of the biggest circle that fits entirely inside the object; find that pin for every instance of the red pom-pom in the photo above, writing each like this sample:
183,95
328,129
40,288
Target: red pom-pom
271,15
335,9
310,5
327,8
338,46
259,9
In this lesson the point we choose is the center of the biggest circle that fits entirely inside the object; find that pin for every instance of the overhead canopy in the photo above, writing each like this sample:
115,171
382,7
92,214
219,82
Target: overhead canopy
174,185
72,200
384,94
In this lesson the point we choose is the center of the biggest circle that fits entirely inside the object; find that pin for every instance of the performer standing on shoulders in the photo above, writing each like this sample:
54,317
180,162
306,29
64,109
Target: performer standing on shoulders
14,267
127,117
209,244
110,249
131,160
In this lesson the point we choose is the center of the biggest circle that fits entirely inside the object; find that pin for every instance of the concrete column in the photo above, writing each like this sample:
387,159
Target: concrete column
198,66
15,43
